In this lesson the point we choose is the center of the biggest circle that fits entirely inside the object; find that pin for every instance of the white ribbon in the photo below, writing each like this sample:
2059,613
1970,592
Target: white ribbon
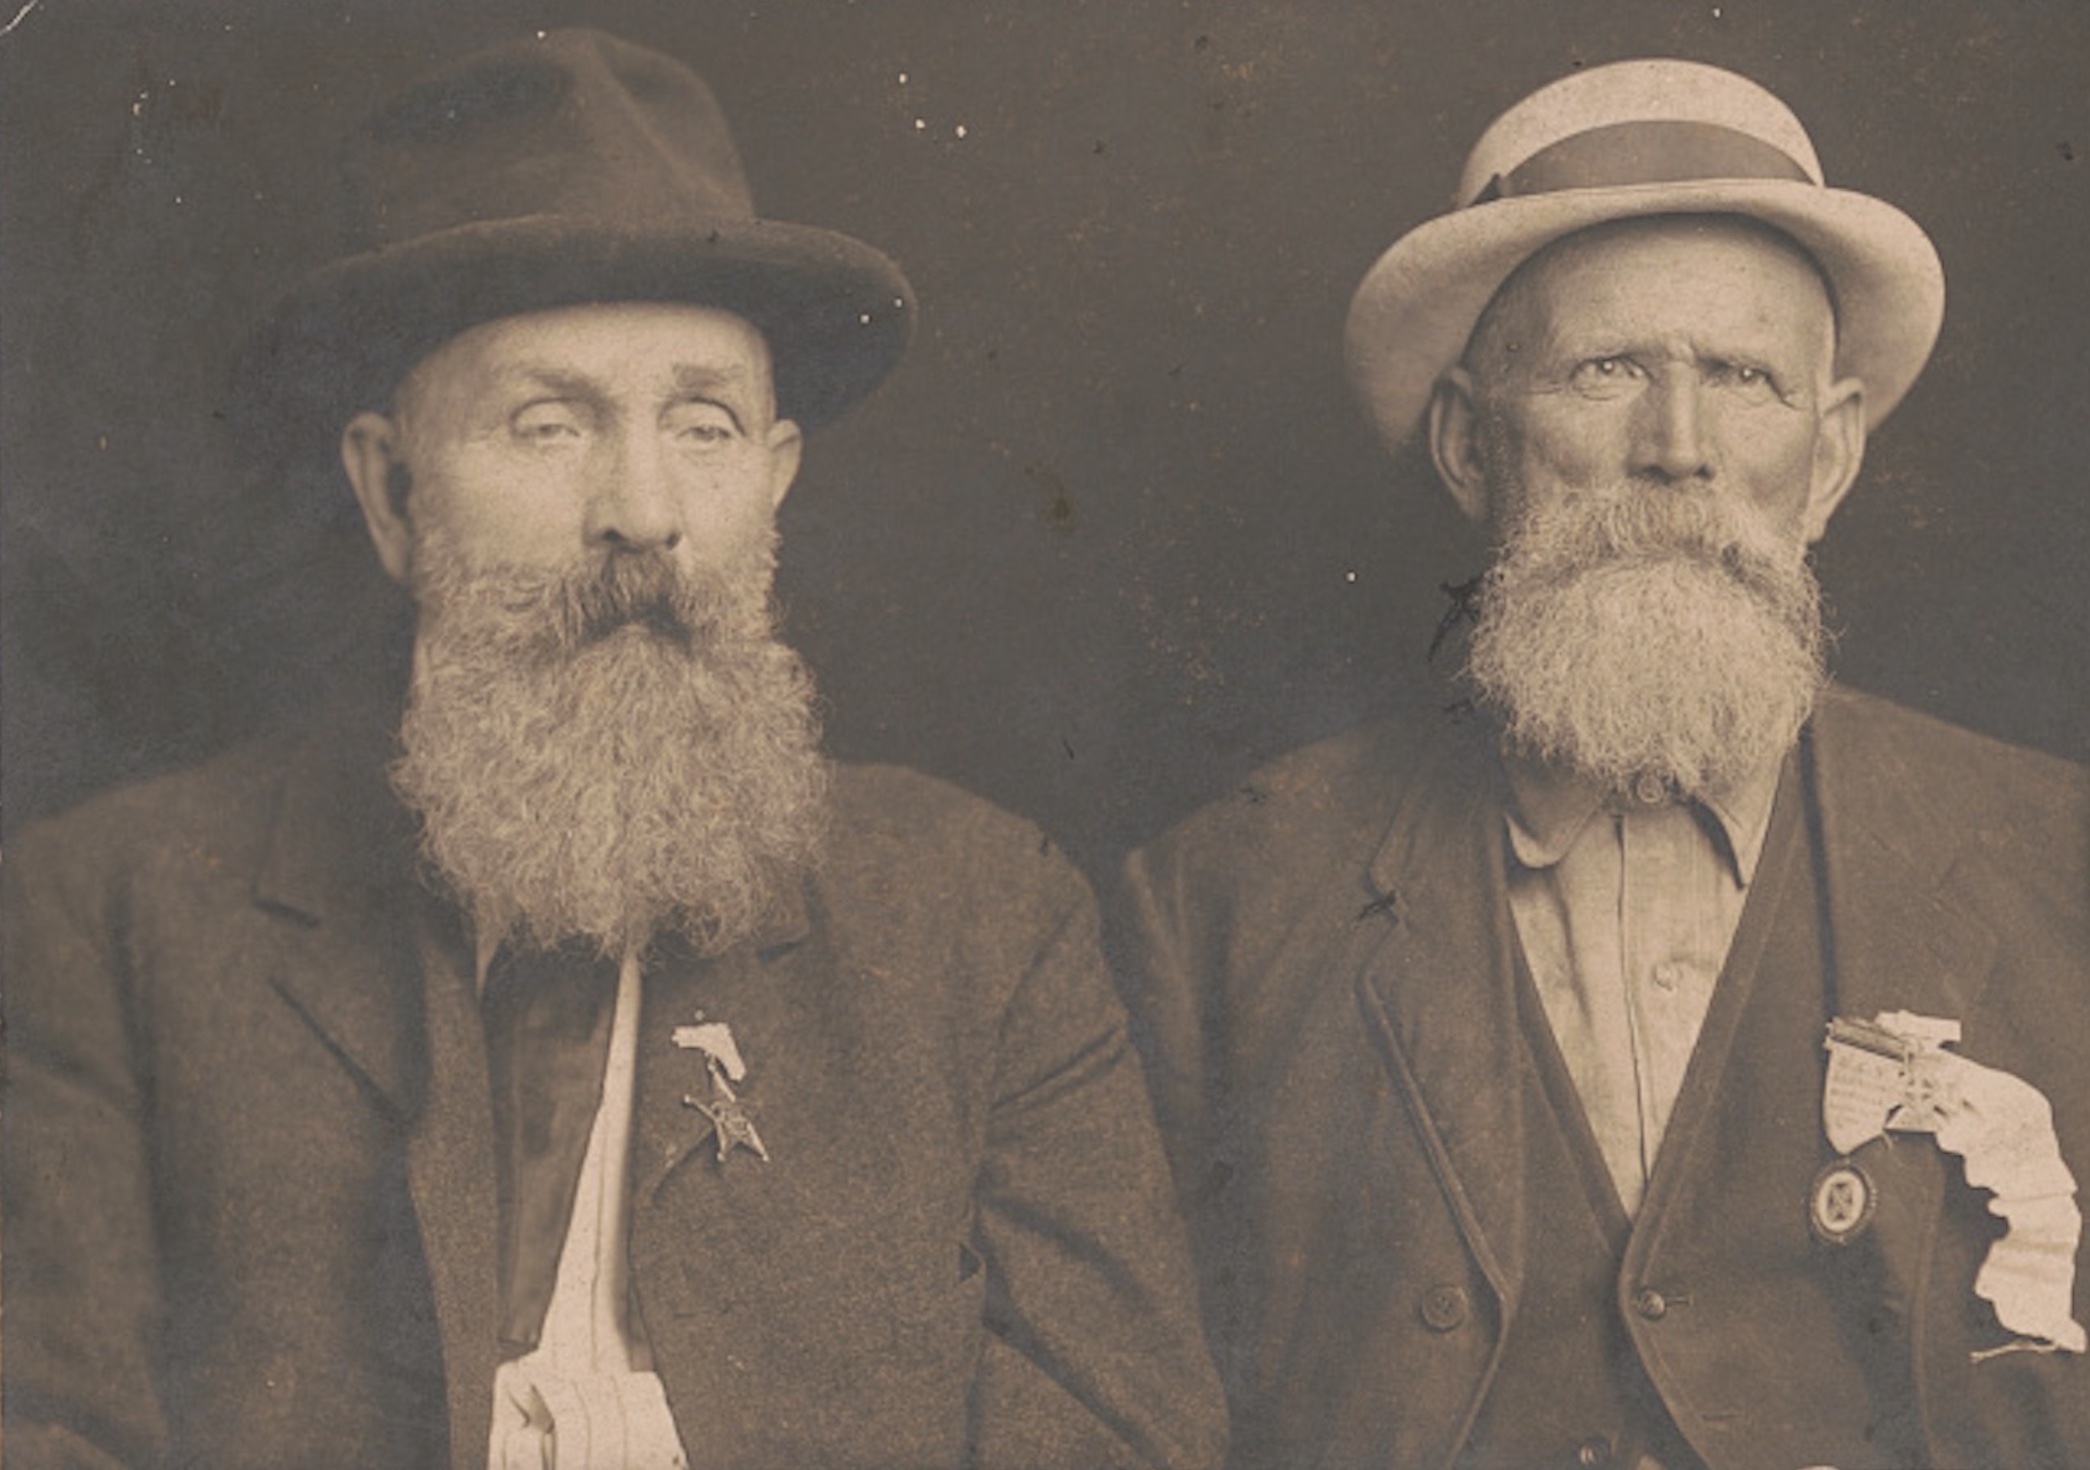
1895,1074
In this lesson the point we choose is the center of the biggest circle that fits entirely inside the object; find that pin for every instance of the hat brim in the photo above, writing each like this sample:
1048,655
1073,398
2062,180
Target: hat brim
1416,308
836,313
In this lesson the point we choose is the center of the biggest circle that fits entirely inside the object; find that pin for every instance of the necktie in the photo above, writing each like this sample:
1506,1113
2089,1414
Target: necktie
547,1016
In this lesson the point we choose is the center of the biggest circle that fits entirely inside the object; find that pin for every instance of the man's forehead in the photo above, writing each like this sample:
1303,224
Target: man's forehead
1633,249
695,347
1736,231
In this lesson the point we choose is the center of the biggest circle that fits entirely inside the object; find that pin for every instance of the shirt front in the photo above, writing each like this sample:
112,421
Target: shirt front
1625,911
586,1397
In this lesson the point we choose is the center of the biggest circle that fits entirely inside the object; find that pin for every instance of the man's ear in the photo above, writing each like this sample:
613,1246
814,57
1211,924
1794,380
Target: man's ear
1454,427
371,454
1839,449
786,446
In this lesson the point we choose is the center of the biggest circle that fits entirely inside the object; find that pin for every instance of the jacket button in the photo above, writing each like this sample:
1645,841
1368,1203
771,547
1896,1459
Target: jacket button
1594,1451
1650,1304
1444,1307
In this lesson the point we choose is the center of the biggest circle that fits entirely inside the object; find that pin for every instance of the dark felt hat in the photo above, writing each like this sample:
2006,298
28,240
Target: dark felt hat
567,168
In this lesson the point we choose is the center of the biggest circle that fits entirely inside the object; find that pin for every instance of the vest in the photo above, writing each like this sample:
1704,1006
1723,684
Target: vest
1716,1327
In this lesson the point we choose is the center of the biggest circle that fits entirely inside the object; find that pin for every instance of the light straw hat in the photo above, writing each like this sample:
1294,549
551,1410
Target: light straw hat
1623,141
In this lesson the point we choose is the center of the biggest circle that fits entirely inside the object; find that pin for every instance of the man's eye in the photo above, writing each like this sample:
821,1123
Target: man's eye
1752,381
1606,374
547,423
702,426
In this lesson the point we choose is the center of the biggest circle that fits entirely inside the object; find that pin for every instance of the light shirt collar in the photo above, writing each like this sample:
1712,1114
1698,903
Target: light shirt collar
1549,807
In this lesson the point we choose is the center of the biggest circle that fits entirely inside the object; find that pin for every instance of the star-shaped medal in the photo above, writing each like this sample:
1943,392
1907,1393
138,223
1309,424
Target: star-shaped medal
730,1123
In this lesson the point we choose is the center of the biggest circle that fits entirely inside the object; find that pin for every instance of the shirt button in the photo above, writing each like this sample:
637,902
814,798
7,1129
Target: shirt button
1669,974
1650,1304
1444,1307
1594,1451
1650,789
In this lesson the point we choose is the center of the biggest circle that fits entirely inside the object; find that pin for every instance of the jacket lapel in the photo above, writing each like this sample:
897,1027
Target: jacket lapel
1900,939
380,971
736,988
450,1168
336,864
712,1237
1437,983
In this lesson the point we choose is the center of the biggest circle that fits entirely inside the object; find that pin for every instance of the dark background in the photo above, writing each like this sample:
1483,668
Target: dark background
1115,531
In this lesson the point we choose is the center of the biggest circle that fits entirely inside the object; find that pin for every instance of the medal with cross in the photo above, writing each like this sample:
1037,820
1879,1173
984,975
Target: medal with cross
730,1123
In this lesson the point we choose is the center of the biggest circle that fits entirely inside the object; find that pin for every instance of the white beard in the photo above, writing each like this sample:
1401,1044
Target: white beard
610,750
1650,634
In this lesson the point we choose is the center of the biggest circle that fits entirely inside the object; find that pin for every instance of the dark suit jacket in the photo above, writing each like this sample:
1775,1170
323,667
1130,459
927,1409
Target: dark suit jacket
250,1188
1322,967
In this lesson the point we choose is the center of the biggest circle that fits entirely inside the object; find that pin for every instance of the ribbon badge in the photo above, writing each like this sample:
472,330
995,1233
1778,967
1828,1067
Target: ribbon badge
730,1123
1841,1203
1892,1073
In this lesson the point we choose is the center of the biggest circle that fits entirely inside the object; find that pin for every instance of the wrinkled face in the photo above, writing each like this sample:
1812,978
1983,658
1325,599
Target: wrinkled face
1685,355
543,439
603,737
1647,420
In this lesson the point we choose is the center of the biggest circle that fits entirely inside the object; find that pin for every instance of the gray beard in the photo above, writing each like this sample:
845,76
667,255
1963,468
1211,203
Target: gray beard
610,751
1640,635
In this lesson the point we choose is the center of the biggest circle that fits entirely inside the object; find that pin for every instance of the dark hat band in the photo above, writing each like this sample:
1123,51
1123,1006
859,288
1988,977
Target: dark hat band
1649,152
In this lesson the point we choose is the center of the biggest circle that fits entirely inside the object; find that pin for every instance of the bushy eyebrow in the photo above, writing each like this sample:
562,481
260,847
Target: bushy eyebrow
559,382
696,381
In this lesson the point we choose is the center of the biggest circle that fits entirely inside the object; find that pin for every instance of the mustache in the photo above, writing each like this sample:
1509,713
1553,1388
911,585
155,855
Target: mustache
545,615
1582,532
643,590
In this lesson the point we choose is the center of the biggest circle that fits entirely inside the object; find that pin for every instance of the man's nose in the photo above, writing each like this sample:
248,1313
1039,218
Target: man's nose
634,506
1671,439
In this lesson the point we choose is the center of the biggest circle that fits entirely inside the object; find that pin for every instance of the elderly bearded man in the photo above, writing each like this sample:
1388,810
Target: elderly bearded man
689,1101
1652,1068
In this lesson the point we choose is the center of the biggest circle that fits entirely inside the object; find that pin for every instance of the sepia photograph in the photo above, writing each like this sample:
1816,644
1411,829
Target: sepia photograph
1191,734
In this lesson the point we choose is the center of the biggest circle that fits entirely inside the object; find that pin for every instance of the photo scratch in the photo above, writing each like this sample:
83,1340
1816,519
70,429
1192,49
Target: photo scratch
19,16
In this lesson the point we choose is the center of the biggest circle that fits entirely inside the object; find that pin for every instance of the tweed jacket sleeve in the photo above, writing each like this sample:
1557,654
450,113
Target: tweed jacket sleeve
80,1249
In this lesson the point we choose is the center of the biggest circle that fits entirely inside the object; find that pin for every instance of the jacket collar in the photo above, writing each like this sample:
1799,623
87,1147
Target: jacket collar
338,840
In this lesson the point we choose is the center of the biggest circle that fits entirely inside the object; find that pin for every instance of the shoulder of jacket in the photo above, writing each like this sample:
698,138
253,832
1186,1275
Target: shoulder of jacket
902,803
231,793
1954,763
1341,791
891,819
